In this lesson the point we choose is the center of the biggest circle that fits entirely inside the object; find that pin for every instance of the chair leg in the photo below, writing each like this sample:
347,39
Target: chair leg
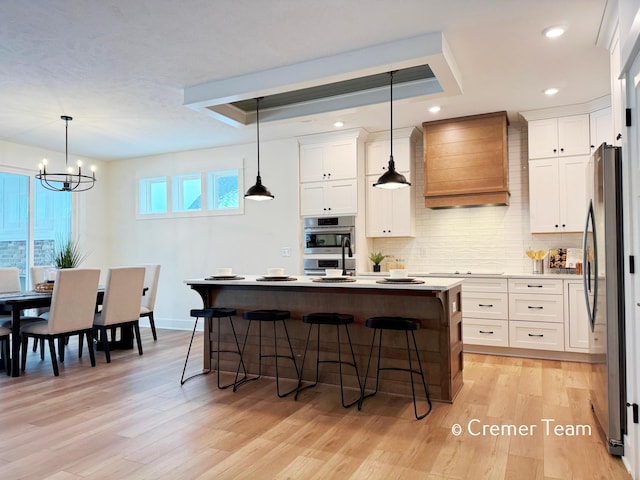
42,349
61,344
105,343
236,382
35,344
218,351
424,383
152,324
366,375
355,366
136,330
23,351
92,353
52,353
184,369
80,342
304,357
293,358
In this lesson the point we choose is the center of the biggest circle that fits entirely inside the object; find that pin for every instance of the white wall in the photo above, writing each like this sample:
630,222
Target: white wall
487,238
194,247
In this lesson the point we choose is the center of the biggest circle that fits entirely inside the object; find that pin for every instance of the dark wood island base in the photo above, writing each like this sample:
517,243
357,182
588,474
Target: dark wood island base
436,303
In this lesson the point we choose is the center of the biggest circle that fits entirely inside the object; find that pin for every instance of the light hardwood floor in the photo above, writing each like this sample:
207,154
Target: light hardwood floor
131,419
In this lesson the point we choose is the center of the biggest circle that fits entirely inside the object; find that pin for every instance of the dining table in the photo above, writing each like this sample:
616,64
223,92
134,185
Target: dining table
15,303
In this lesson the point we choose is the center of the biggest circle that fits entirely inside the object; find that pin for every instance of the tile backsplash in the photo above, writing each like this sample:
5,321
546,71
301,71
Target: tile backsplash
486,238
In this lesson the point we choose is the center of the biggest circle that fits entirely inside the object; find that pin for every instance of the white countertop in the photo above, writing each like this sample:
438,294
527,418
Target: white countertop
462,276
430,283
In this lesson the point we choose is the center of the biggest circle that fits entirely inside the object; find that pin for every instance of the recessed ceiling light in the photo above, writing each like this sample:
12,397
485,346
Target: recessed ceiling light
338,124
553,32
551,91
434,109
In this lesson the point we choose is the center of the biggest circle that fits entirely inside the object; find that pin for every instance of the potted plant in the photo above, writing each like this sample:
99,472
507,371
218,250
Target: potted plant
376,258
67,254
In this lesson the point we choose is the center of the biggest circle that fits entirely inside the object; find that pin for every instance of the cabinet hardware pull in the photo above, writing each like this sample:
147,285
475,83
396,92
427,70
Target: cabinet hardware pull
533,335
535,308
534,286
482,331
485,305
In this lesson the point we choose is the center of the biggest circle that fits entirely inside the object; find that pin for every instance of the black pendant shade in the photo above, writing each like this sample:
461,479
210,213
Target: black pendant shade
391,179
258,192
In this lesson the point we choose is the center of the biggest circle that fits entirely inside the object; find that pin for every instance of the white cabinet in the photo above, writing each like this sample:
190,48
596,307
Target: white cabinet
536,314
330,160
485,312
558,194
389,213
335,197
558,137
601,128
576,327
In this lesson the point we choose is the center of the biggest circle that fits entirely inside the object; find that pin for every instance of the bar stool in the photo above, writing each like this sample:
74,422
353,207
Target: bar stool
209,314
336,319
379,324
273,316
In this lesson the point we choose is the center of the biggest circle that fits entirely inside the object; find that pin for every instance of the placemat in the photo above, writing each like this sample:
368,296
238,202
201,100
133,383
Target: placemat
412,282
333,280
264,279
230,277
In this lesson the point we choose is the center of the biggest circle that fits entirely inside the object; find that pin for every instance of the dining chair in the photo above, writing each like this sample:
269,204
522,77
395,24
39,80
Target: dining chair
9,283
73,304
39,275
121,304
151,276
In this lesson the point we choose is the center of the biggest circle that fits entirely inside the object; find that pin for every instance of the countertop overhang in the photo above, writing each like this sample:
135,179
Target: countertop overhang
430,283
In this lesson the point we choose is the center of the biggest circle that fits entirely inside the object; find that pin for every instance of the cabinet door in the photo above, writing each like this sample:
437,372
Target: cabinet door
544,204
577,321
311,162
601,125
573,193
312,198
543,138
340,160
341,197
401,212
376,213
377,158
573,135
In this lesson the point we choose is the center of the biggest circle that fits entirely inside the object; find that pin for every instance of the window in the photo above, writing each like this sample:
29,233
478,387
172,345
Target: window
153,195
224,190
186,193
218,192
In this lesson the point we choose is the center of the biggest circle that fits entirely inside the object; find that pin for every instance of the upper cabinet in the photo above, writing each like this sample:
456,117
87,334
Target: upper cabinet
559,137
466,162
390,213
601,128
328,171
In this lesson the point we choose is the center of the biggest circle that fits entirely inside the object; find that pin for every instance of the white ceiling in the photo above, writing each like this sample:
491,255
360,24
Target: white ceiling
119,67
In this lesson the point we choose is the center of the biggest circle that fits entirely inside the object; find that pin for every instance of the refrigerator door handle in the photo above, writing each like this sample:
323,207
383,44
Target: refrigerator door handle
590,262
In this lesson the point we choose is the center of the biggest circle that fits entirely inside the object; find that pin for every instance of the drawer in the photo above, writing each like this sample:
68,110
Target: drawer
535,285
489,285
485,332
536,308
485,305
537,335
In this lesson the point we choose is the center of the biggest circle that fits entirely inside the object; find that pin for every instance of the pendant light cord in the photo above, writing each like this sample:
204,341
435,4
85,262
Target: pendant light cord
258,130
391,114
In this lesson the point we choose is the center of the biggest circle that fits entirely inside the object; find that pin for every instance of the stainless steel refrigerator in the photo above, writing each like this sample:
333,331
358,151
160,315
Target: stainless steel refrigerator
603,264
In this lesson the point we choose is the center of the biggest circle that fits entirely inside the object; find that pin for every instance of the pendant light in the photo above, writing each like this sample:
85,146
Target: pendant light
258,192
68,181
391,179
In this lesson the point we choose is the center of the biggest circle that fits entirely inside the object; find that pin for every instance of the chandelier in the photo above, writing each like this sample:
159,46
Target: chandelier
69,181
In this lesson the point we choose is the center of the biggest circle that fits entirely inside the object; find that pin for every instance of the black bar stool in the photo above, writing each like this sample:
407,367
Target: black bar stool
273,316
336,319
209,314
379,324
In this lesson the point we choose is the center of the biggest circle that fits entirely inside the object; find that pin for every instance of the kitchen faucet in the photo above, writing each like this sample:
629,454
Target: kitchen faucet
345,242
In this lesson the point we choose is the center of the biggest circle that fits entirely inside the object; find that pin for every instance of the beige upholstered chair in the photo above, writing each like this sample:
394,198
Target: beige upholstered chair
39,274
151,276
71,313
121,304
9,280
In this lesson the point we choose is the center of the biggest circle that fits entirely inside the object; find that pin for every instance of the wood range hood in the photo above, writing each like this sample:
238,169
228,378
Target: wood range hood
466,162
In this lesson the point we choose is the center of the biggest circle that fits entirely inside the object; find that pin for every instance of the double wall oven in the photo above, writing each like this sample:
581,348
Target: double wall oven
323,240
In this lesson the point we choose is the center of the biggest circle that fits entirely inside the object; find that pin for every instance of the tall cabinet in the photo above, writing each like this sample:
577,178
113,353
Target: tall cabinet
559,149
390,213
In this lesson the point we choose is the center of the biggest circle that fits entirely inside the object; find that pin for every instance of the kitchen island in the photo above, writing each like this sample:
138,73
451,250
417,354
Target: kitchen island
435,303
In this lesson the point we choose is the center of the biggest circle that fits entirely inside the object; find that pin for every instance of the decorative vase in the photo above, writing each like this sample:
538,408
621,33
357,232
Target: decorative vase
376,268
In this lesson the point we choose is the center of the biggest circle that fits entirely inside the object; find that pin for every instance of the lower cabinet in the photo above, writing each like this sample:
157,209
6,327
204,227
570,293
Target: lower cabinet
485,312
534,313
